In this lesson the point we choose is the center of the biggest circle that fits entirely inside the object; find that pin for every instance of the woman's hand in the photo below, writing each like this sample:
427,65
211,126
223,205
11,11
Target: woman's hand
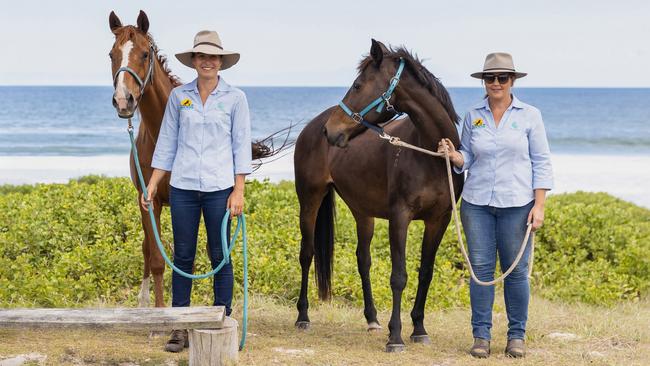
536,216
236,202
152,189
455,157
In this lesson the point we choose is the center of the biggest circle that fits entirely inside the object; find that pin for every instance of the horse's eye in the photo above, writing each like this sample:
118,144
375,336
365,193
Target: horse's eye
145,55
356,86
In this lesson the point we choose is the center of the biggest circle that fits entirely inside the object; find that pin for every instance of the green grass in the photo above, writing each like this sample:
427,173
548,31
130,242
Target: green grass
606,336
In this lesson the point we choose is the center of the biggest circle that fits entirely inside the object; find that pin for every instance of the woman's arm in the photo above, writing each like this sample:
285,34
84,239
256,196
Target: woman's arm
152,188
536,215
236,198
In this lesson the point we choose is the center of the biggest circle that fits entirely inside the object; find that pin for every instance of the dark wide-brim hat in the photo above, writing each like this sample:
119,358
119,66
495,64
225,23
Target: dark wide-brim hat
498,62
208,42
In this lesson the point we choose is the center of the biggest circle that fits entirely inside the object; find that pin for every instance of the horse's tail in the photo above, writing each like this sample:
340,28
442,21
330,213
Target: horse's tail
324,244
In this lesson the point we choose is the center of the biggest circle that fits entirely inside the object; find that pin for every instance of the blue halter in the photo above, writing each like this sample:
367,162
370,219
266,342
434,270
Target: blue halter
382,100
141,83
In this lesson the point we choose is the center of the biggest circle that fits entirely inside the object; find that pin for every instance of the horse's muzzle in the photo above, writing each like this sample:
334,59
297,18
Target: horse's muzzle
125,107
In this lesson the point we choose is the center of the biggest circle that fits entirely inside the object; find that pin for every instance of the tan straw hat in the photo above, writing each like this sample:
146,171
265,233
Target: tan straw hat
498,62
208,42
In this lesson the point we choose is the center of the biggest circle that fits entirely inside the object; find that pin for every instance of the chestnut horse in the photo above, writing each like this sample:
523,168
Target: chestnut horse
143,82
376,179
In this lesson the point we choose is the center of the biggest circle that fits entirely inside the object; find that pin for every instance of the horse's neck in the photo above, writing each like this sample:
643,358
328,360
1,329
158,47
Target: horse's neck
153,102
429,117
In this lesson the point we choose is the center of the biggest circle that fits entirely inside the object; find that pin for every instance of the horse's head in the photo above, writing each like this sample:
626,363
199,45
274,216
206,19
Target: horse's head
375,75
132,61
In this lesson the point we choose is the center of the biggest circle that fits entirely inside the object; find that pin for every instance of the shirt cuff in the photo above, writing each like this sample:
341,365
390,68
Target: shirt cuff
466,163
543,184
162,165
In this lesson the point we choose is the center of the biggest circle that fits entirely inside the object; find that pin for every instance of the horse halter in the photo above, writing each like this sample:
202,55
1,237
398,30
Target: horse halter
383,99
141,83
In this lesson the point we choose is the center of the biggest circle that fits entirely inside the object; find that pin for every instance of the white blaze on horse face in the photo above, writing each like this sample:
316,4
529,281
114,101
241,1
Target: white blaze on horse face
120,89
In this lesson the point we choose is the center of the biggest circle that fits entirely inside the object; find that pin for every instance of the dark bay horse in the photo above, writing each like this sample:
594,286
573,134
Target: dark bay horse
143,82
375,179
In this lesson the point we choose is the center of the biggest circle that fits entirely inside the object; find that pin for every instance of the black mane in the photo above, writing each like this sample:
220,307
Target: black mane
424,76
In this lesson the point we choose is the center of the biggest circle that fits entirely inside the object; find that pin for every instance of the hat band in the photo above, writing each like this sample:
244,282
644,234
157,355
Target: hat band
498,68
209,44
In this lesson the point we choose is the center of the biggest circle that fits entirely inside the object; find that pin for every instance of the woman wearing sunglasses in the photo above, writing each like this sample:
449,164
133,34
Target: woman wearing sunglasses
506,153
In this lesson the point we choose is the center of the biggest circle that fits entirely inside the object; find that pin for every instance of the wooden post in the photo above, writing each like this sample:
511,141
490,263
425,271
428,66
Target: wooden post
215,346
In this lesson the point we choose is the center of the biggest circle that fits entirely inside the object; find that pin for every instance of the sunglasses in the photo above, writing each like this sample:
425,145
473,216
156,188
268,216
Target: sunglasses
503,78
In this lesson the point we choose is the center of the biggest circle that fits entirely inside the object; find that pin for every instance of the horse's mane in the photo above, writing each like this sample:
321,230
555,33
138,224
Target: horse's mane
424,76
127,32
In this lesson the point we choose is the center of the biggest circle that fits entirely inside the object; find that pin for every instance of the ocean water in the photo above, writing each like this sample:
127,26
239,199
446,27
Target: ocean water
80,121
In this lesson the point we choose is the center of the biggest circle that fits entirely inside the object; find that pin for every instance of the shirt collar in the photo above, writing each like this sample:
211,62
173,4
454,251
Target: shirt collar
222,86
516,103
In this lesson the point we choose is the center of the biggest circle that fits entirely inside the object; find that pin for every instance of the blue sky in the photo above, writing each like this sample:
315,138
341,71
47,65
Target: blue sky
559,43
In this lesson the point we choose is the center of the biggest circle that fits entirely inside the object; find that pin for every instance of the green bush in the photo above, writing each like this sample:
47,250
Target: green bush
79,244
593,248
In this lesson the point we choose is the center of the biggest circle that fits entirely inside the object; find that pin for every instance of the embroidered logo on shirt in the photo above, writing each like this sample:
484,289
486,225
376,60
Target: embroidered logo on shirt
478,123
186,104
514,125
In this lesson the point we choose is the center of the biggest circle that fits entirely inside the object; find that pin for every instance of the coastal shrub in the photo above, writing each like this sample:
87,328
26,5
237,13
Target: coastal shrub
79,244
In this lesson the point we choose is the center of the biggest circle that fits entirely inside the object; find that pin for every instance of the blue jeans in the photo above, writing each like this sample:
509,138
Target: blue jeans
186,207
489,230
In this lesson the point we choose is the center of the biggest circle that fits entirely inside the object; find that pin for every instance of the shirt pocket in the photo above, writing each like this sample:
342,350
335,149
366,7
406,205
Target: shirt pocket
515,137
482,142
218,119
188,119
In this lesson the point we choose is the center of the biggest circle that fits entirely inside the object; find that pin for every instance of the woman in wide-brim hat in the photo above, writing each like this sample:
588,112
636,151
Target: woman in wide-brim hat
205,142
506,152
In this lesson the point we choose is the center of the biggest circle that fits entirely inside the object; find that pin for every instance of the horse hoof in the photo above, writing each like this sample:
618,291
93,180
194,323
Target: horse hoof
374,327
424,339
303,325
395,348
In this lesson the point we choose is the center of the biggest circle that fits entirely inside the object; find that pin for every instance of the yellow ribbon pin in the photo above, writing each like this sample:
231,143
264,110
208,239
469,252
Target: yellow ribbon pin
186,102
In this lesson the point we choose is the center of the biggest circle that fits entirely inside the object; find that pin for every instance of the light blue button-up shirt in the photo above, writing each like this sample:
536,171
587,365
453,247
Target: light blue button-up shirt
204,146
507,163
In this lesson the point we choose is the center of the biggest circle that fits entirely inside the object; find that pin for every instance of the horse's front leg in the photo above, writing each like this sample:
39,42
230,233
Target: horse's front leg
365,230
152,255
157,261
433,232
397,228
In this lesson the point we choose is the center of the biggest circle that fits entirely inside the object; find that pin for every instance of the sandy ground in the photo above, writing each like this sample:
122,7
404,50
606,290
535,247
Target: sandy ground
624,176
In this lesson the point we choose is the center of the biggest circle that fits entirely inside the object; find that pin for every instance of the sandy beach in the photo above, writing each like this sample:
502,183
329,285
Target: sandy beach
624,176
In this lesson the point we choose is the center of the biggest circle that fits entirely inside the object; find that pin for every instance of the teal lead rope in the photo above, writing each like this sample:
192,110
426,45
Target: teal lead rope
225,248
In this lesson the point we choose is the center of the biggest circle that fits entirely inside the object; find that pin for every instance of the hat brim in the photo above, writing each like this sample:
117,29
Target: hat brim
228,58
479,75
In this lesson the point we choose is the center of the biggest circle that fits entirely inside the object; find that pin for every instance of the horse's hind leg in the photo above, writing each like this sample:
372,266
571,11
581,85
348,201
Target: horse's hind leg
433,232
365,230
310,201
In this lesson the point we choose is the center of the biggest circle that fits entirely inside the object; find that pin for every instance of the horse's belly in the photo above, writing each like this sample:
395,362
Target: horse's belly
361,183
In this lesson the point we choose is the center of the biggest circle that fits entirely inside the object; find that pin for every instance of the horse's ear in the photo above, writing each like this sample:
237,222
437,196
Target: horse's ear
114,22
143,22
377,51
